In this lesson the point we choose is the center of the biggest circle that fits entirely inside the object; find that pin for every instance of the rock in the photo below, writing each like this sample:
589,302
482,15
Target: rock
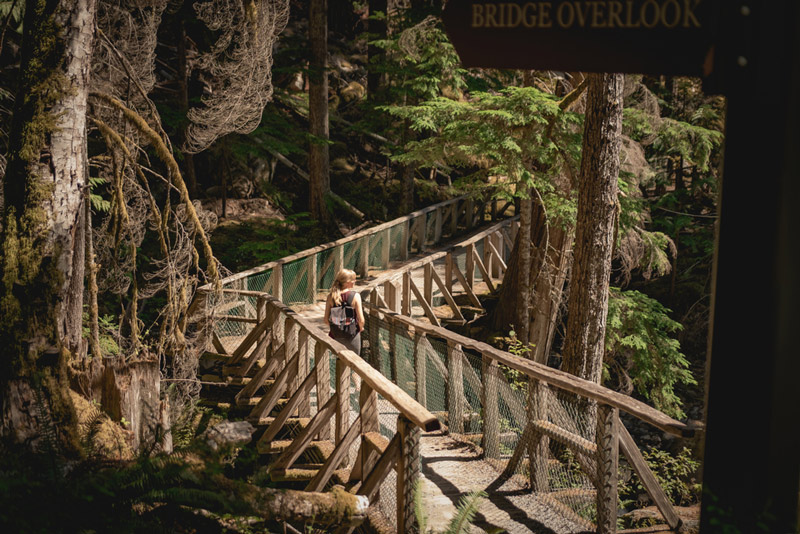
232,433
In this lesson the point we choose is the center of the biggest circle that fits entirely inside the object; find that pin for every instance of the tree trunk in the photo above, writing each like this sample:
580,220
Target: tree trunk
318,160
523,296
43,188
594,233
378,30
548,291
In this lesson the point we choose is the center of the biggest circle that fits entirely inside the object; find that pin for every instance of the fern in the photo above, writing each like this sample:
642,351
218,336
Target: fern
465,514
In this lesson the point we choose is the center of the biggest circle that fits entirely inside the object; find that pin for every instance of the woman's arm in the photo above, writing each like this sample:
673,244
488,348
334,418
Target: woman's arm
359,312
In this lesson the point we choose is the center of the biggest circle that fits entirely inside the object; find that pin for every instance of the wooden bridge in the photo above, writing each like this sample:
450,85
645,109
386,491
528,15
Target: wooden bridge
422,408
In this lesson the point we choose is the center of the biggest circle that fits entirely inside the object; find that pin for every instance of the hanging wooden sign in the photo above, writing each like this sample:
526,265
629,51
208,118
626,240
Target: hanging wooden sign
647,36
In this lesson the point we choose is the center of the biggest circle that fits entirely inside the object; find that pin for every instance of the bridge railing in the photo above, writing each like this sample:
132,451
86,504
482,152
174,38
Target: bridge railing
346,425
560,433
297,278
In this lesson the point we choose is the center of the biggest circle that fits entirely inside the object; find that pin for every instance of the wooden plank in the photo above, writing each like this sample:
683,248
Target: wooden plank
404,245
248,342
277,282
455,388
607,468
437,228
407,474
385,464
566,438
363,259
484,273
448,272
295,401
498,257
303,362
322,361
420,369
491,409
427,283
422,302
447,296
217,342
313,281
470,265
235,319
405,295
274,394
385,248
646,476
422,231
339,454
305,436
245,394
473,298
342,399
258,352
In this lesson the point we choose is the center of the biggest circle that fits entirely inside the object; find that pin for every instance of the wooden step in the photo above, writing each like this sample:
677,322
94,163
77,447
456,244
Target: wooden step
321,449
305,472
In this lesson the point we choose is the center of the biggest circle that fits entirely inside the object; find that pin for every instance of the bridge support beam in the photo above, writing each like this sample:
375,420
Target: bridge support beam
407,475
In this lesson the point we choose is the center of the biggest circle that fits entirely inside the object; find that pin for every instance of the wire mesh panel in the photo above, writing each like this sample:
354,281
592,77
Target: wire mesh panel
296,282
376,249
398,244
326,268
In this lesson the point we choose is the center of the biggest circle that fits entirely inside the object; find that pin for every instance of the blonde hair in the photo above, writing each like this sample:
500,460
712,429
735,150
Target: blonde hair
342,277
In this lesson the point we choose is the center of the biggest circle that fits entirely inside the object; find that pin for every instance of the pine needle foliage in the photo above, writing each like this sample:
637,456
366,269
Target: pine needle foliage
641,353
518,136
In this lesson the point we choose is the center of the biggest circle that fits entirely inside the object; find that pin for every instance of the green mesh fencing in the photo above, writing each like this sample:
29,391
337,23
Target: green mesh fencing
296,282
326,269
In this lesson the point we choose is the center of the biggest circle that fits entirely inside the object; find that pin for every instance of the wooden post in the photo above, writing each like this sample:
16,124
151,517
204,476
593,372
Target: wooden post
470,213
363,259
455,388
390,294
470,265
491,410
420,368
338,259
342,399
448,272
539,448
437,229
373,329
277,282
488,260
427,284
304,408
422,231
368,403
322,362
405,296
313,280
607,465
496,240
405,245
385,249
407,475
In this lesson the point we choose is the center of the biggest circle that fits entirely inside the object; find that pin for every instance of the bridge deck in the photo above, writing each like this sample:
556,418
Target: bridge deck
452,469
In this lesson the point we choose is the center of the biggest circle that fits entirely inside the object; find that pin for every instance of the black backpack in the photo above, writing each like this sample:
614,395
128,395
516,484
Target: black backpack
343,318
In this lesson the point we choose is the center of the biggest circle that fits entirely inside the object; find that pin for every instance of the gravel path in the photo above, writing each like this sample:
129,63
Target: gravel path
451,469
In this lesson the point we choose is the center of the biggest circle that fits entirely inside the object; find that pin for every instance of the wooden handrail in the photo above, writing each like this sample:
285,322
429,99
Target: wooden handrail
554,377
401,400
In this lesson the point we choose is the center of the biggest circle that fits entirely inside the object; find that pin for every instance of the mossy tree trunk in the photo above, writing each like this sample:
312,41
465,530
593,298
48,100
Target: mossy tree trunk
584,342
44,188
